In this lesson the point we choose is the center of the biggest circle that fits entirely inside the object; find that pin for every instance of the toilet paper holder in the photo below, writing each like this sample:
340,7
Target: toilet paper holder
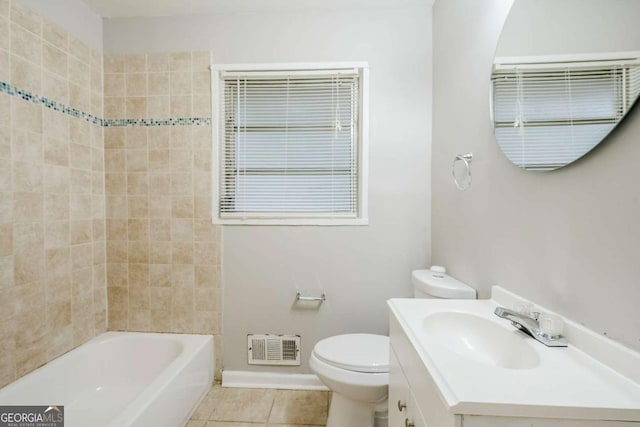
322,298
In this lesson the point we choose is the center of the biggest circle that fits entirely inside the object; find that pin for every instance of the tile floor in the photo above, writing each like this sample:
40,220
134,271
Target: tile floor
242,407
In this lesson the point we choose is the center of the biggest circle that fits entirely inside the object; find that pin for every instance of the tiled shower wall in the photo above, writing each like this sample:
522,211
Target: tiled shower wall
163,270
52,228
163,253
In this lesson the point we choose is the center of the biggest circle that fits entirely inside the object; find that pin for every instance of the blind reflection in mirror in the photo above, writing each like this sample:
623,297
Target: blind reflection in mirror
565,74
548,114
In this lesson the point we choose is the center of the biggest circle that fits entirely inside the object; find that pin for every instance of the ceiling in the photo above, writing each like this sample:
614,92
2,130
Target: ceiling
131,8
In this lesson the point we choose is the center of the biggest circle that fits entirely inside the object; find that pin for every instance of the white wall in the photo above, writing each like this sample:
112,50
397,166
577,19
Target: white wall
549,27
358,267
74,16
568,239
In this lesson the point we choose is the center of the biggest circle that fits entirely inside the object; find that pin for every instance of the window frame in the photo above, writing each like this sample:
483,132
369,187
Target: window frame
217,92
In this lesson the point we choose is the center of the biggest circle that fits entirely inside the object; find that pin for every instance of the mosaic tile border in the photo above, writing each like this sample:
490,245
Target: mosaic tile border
12,90
196,121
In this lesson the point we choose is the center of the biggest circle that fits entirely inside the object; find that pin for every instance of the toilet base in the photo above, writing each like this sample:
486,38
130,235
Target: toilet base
345,412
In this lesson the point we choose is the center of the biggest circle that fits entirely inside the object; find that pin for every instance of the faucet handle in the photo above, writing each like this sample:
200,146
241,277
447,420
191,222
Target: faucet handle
523,307
551,325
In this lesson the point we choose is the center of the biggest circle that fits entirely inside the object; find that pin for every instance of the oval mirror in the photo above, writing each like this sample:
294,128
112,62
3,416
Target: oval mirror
566,72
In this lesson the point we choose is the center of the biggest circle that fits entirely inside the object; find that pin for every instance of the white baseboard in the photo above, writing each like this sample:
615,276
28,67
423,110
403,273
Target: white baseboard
249,379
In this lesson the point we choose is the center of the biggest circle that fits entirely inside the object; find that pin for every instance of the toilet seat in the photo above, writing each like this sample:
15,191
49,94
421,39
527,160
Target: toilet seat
365,353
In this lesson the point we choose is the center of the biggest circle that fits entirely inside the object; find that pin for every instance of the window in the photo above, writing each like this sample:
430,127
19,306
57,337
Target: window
291,144
547,114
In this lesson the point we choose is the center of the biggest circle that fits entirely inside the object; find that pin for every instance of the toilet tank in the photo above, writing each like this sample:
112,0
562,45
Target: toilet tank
435,283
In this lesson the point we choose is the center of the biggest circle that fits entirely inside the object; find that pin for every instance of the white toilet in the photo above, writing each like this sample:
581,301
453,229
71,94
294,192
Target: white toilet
356,366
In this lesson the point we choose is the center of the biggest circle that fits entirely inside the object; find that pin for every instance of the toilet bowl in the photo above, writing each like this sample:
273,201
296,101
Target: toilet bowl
356,366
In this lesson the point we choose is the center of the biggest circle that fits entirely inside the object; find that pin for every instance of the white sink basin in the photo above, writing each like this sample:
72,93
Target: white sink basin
479,339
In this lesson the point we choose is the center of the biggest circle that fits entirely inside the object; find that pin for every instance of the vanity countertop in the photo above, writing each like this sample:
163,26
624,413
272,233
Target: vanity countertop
593,378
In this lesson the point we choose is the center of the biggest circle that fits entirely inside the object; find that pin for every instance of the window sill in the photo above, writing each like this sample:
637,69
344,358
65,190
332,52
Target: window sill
293,221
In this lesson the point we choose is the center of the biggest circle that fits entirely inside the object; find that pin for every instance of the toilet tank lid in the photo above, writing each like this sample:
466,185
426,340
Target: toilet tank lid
441,287
355,352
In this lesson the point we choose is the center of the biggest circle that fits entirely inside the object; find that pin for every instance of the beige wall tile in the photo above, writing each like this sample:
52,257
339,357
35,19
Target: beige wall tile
200,61
137,183
5,66
138,252
158,84
26,44
160,206
56,151
117,275
116,206
180,61
79,97
27,177
160,298
159,160
79,50
26,75
160,253
159,183
138,229
159,137
201,106
182,207
160,275
160,230
55,60
114,85
28,207
138,206
182,253
56,207
135,107
114,137
180,106
80,181
55,87
26,18
135,63
202,84
55,35
114,108
79,72
158,107
136,137
117,251
158,62
6,240
113,64
26,116
181,184
136,84
137,160
79,156
180,83
4,34
161,320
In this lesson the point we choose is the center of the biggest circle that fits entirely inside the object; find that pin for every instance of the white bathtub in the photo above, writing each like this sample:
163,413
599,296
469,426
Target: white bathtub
122,379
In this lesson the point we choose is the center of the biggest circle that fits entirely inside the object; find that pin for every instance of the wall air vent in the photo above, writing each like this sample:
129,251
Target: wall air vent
273,349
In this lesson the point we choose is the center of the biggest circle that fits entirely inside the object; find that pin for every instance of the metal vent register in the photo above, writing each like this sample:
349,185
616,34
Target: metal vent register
273,349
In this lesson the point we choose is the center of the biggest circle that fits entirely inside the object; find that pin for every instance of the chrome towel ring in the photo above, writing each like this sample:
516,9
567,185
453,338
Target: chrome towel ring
464,181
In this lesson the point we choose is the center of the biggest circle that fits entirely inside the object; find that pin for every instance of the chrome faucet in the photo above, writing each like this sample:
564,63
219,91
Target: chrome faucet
530,325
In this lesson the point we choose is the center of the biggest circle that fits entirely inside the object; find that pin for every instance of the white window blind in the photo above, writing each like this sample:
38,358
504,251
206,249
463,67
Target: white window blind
547,115
290,144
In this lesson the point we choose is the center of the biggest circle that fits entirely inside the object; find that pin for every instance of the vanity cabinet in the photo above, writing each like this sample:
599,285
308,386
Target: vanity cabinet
410,382
423,405
403,407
